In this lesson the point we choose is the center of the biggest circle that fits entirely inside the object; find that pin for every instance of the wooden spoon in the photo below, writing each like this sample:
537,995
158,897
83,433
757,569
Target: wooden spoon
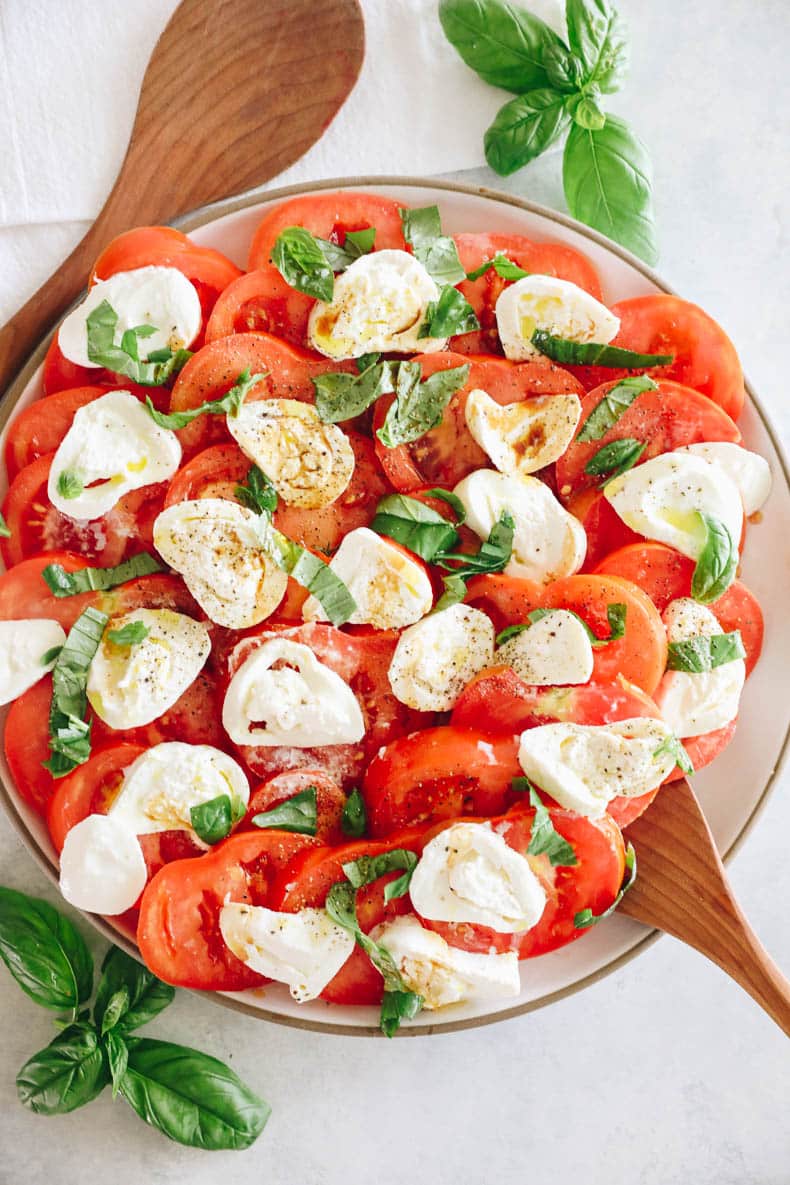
682,888
233,94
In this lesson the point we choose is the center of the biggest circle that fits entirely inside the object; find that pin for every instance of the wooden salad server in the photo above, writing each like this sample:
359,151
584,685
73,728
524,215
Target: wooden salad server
682,889
233,94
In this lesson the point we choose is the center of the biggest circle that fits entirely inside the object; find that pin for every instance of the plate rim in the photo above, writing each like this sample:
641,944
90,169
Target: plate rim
203,215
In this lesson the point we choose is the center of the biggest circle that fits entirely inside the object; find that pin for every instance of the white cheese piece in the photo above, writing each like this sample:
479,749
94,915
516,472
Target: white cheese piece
379,306
305,949
663,499
556,306
556,649
390,588
310,463
750,472
113,446
435,659
129,686
522,437
584,766
691,702
548,542
158,296
23,645
283,695
444,974
468,873
102,867
215,544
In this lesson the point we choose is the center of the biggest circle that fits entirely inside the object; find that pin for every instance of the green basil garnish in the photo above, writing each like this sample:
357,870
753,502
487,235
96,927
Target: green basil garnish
228,405
544,837
571,353
302,263
44,952
145,995
69,732
673,746
616,612
354,820
705,653
355,244
312,573
492,556
131,634
5,530
438,254
606,414
69,485
586,917
214,820
615,458
69,584
152,371
66,1074
415,526
257,493
450,314
340,396
524,128
717,562
297,814
503,267
367,869
49,656
419,406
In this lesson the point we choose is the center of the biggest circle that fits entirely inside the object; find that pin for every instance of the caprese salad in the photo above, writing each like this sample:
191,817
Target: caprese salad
357,603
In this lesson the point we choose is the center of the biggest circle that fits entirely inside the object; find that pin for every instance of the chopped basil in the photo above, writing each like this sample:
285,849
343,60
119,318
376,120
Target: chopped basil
229,404
415,526
298,814
365,361
615,615
5,530
396,1006
69,732
153,371
257,493
450,314
704,653
354,819
606,414
49,656
340,396
69,584
586,917
301,261
571,353
493,556
69,485
544,837
130,634
615,458
673,746
311,572
419,406
436,252
367,869
356,244
520,784
212,821
503,267
717,562
452,500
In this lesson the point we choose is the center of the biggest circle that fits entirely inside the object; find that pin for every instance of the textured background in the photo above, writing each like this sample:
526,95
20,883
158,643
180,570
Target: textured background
663,1073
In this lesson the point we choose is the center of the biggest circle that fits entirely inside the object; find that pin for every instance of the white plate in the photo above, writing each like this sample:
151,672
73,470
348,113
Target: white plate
731,790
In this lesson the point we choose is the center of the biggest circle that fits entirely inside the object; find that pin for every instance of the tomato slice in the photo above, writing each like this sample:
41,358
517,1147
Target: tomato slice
604,528
546,259
330,800
178,932
666,419
329,216
261,302
60,374
24,593
640,656
26,744
89,790
704,357
449,452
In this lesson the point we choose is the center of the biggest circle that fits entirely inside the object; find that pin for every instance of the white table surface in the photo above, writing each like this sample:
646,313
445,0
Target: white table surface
664,1072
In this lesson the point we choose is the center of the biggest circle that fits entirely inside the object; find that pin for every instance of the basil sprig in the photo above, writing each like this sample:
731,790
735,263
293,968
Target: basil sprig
616,457
559,86
228,405
419,406
705,653
298,814
571,353
585,917
422,229
308,263
190,1097
354,819
493,555
717,563
69,584
152,371
675,748
613,404
503,267
131,634
616,612
213,820
69,732
257,492
544,837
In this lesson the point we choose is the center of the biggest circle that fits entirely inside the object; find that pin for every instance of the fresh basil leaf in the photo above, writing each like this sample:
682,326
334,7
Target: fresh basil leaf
354,820
597,38
228,405
544,837
563,69
146,995
436,252
493,556
503,267
367,869
43,951
117,1053
616,612
397,1006
361,241
213,820
615,458
298,814
66,1074
5,530
190,1097
511,631
717,563
69,584
616,401
571,353
69,733
501,42
117,1004
586,917
50,655
705,653
419,406
258,492
131,634
454,593
607,179
365,361
585,111
101,325
69,485
524,128
340,396
312,573
452,500
301,261
356,244
521,785
676,749
414,525
450,314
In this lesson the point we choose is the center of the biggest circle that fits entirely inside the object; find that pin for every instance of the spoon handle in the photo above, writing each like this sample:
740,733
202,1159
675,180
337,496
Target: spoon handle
682,889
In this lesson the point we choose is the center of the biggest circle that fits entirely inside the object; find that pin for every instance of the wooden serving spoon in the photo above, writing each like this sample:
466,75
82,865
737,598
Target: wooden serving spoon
234,92
682,889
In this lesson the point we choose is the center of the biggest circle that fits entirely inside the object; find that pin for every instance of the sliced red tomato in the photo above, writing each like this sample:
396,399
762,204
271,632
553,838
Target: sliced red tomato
546,259
194,718
668,418
704,357
604,528
705,748
89,790
665,575
261,302
640,656
178,932
24,593
329,800
592,883
26,743
449,452
329,216
60,374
